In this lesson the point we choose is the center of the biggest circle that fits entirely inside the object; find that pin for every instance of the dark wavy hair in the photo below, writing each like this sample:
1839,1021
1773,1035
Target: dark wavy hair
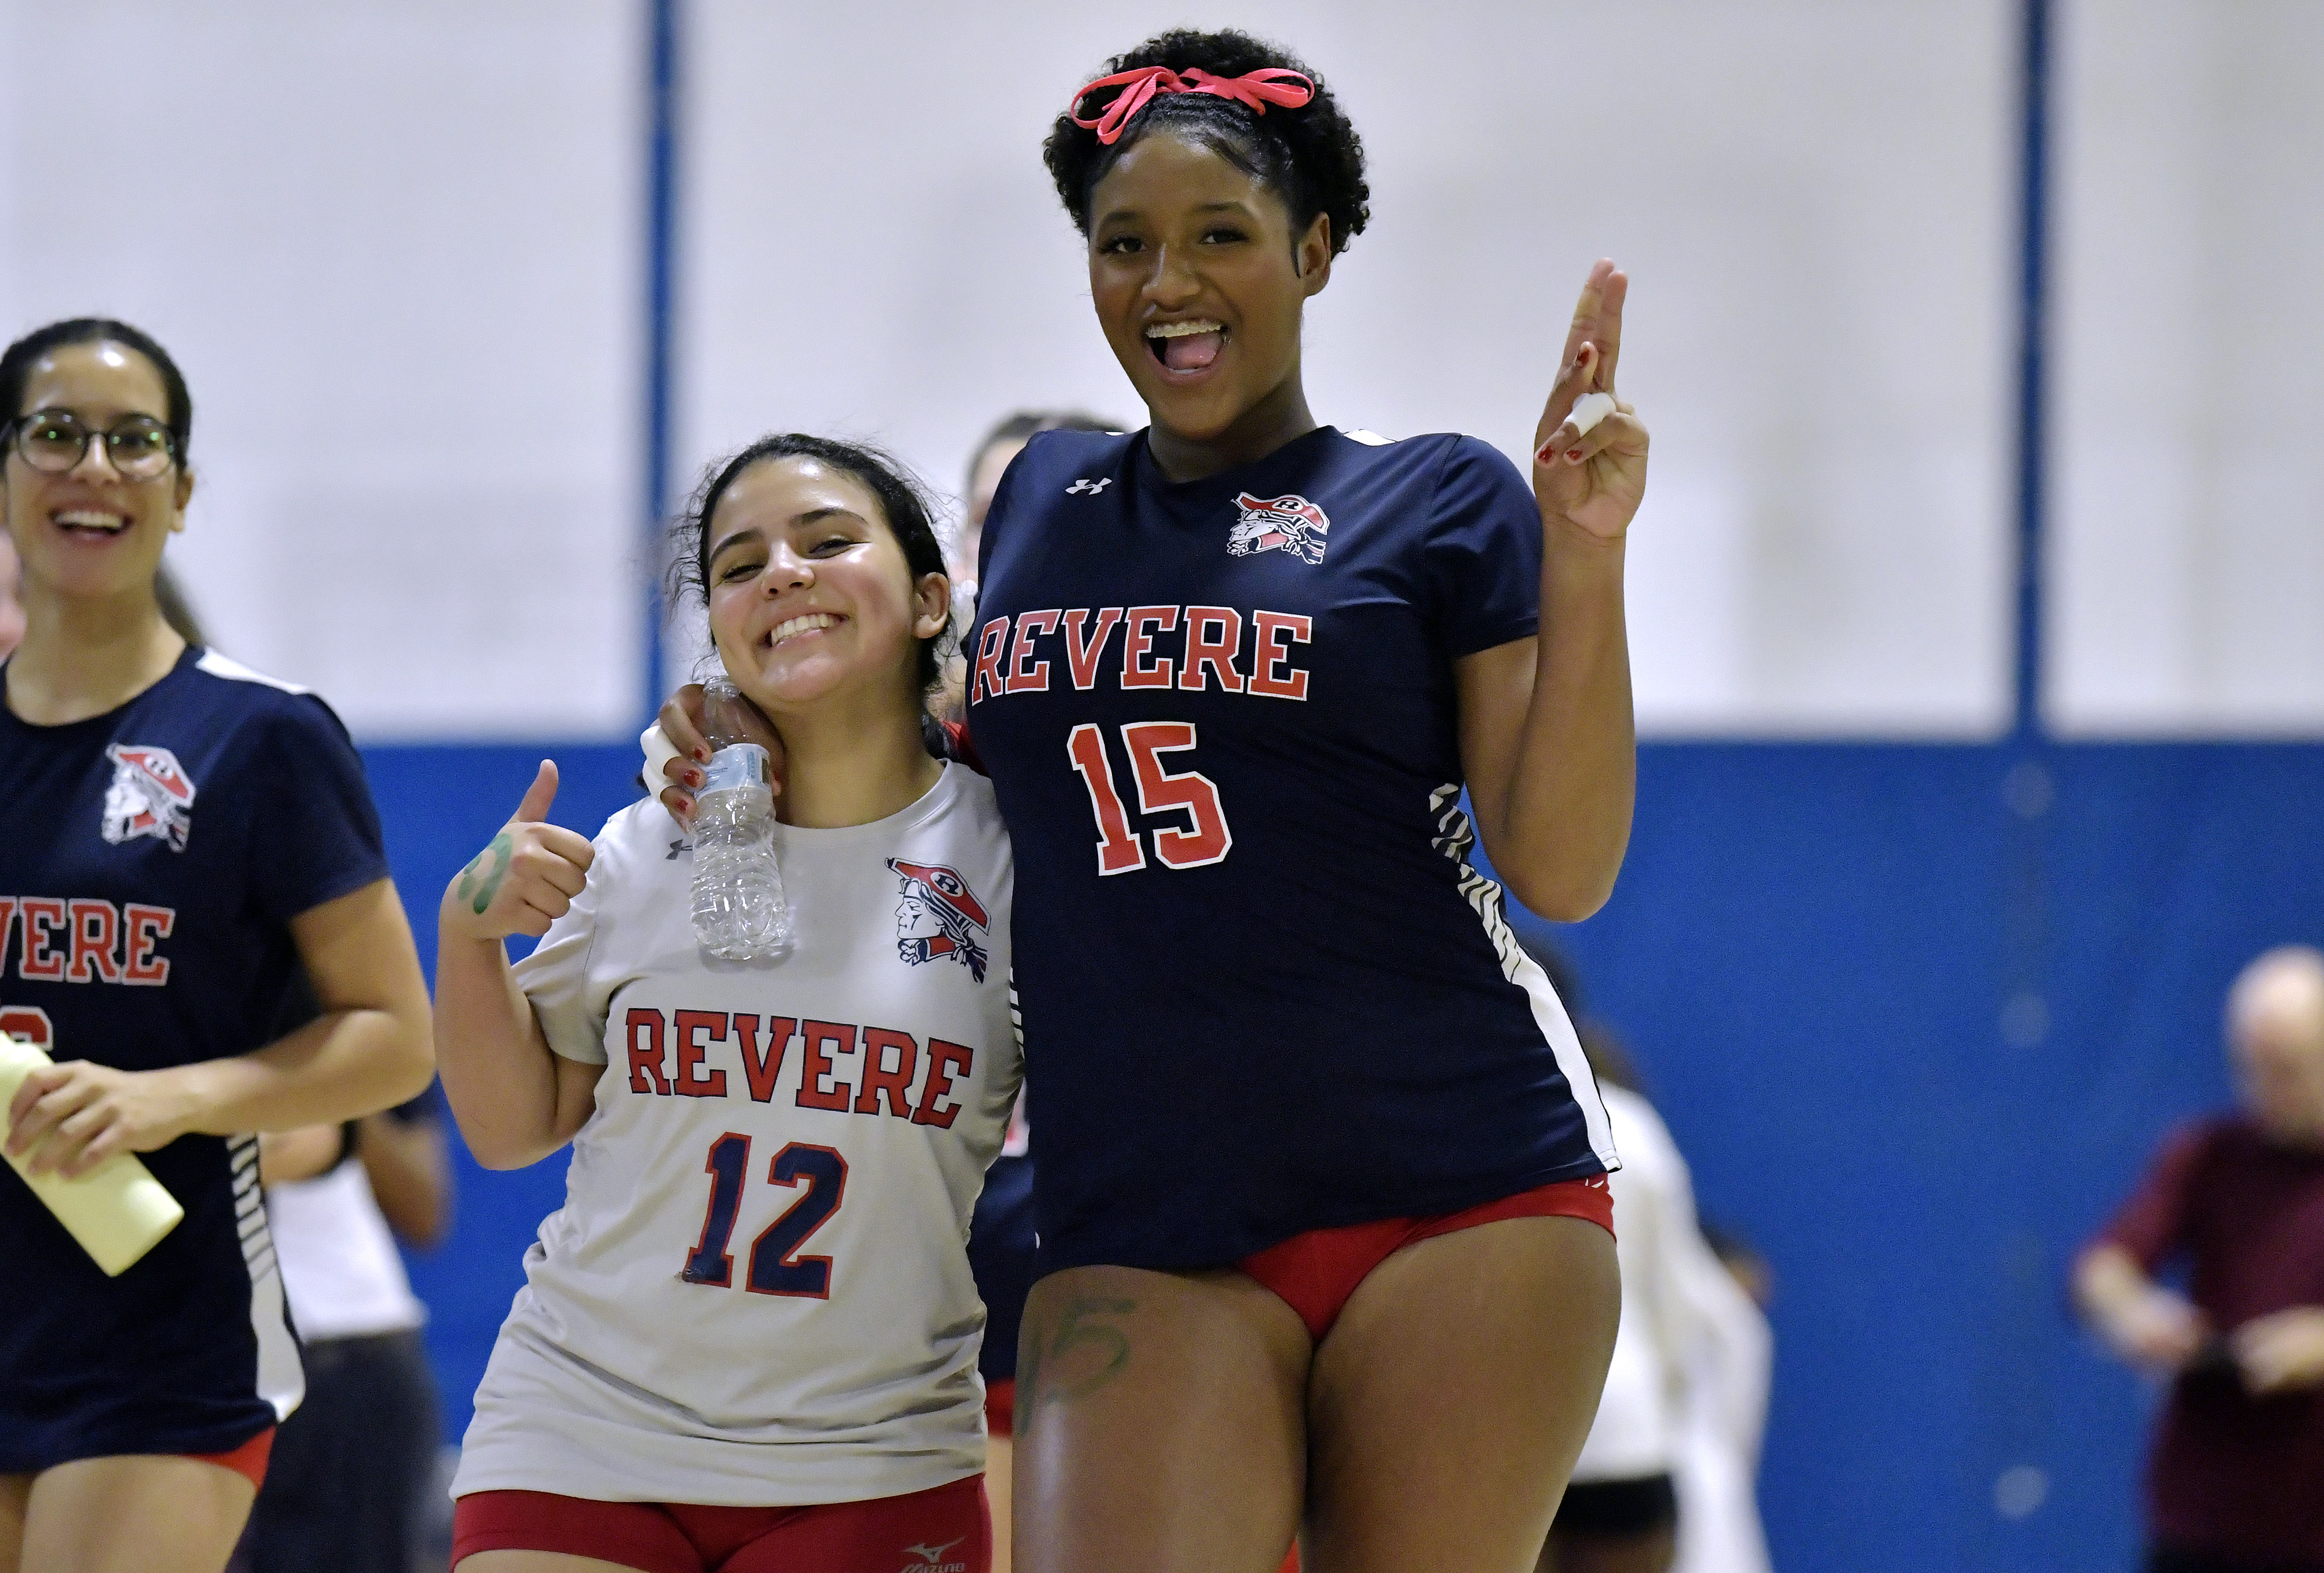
1310,157
16,369
904,500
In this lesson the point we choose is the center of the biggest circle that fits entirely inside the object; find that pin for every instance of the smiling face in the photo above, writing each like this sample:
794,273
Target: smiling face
1199,283
91,533
810,595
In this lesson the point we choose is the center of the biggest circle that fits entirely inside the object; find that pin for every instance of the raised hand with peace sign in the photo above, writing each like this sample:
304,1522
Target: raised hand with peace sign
1591,479
525,878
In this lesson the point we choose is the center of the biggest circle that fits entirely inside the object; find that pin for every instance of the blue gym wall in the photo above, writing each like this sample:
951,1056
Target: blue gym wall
1809,954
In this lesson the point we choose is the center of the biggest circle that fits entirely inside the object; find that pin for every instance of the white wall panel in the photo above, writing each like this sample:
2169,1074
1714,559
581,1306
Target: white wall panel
1814,200
395,246
2187,568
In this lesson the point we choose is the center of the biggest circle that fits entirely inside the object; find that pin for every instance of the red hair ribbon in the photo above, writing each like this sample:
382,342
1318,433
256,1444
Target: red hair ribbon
1257,89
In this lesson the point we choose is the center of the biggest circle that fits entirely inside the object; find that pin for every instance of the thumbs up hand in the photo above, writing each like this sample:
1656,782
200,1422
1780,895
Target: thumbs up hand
525,879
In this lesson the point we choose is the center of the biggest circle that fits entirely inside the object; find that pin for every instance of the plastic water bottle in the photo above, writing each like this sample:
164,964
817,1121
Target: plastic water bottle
738,911
117,1211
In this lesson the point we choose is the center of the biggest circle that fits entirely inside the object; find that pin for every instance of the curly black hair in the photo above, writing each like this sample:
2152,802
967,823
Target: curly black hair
902,496
1311,157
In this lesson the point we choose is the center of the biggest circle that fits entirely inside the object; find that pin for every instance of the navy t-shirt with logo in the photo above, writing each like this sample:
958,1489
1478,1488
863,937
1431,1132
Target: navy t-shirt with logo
150,862
1263,990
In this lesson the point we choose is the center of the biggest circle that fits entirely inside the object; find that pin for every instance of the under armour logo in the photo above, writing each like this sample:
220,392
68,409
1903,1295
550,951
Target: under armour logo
676,847
1089,487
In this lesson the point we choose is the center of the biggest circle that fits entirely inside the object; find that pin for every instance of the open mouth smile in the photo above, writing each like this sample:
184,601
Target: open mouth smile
1191,347
89,524
792,628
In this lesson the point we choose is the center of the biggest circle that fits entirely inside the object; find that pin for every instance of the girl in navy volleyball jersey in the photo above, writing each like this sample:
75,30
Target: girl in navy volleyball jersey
1321,1197
182,837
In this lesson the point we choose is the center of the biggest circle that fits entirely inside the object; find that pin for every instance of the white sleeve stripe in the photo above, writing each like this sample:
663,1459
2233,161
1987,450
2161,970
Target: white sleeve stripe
1454,837
282,1377
226,666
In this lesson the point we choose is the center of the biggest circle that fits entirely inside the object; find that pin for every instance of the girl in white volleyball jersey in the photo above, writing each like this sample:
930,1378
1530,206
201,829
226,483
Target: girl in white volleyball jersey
748,1339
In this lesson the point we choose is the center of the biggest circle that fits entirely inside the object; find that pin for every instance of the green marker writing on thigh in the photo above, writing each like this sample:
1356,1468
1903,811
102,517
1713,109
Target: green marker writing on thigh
1109,1349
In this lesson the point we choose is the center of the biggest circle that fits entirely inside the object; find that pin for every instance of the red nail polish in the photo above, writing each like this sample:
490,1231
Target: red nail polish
1573,456
1548,454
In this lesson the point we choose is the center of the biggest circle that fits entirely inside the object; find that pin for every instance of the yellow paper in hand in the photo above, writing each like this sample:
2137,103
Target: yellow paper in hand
117,1211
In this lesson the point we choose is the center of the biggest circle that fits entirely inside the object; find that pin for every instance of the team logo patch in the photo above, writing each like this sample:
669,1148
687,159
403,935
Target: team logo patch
151,795
1287,523
939,917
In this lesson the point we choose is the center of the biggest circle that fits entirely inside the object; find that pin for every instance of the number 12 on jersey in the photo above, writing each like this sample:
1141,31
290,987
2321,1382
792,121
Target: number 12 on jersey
776,1265
1120,849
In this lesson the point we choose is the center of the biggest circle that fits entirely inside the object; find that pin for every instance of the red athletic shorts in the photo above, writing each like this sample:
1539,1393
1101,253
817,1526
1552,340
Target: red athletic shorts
946,1530
249,1460
1315,1272
1000,1406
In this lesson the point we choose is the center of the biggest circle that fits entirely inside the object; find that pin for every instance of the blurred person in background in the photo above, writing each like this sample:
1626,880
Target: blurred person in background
2236,1480
348,1487
1679,1423
1724,1420
136,1412
1004,442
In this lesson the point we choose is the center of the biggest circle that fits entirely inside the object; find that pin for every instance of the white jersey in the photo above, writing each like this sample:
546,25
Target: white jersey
758,1292
340,1267
1686,1392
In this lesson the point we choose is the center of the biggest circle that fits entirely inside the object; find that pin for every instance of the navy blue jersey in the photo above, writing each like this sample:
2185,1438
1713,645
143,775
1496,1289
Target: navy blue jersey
151,861
1001,1254
1263,990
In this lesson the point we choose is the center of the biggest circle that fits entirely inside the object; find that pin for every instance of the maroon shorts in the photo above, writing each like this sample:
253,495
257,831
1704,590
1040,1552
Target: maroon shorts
1314,1273
249,1460
1000,1406
946,1530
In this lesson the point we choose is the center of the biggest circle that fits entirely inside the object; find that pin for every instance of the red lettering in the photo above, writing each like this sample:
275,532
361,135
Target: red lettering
1159,790
95,929
945,1061
879,1081
1274,629
1137,672
990,647
1026,675
694,1027
41,912
814,1064
761,1073
645,1054
29,1022
1119,849
1081,659
148,927
1217,653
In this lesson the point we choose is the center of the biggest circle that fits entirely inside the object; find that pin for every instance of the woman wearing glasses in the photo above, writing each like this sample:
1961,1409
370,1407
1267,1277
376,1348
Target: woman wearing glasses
183,835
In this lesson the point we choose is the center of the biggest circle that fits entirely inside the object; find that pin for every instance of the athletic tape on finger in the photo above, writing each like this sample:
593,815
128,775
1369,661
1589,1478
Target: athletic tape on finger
658,752
1589,410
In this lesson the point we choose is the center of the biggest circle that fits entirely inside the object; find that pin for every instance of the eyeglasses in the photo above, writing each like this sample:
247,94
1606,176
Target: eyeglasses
56,440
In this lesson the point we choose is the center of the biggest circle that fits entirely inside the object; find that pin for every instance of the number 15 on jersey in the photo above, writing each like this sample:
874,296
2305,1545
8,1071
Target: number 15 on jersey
1120,849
